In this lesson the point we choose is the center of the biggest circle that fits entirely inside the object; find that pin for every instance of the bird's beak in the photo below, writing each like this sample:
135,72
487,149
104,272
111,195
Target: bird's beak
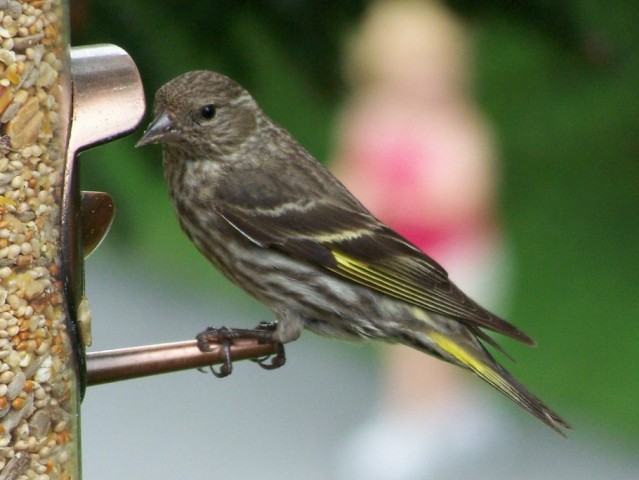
160,130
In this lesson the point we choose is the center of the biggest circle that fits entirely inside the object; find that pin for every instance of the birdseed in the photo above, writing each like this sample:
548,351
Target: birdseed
38,384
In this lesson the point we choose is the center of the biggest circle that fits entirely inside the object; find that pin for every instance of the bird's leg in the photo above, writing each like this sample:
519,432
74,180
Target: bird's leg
224,337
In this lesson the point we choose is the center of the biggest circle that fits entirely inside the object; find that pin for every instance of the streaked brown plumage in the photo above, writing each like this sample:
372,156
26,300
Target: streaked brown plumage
283,228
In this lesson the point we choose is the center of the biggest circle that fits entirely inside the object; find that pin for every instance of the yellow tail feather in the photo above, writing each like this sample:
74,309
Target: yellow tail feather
501,380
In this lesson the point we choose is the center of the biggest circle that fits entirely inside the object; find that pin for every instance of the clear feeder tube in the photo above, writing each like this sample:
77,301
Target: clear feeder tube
39,394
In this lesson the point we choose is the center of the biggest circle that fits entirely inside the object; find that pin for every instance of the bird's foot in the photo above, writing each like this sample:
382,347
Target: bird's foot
224,337
276,361
212,338
279,358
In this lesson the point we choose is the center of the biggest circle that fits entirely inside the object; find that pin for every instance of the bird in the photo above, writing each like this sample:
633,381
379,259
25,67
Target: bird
281,226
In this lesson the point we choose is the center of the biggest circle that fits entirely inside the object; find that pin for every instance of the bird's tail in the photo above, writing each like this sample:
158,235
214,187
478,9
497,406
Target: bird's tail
482,363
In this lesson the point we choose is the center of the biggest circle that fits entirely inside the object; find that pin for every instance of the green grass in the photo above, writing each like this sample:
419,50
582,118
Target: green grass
570,148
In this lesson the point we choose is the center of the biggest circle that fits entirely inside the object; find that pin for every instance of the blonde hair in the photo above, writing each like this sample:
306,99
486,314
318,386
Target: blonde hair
398,38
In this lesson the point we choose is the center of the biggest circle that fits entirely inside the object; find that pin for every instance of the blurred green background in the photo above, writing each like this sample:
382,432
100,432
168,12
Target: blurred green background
560,82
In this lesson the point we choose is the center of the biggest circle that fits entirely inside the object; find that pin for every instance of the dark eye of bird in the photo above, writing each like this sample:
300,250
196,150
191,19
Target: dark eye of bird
208,111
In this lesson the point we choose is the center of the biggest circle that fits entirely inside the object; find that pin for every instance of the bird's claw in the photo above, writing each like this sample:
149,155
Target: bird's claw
277,360
223,337
212,338
227,365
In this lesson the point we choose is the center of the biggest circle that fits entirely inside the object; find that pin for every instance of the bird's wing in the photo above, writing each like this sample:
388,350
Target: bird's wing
348,241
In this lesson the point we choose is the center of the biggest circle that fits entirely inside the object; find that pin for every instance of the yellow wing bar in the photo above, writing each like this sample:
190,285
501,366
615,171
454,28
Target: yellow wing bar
389,284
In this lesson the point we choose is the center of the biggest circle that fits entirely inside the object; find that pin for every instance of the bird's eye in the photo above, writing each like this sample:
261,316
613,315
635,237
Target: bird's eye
208,111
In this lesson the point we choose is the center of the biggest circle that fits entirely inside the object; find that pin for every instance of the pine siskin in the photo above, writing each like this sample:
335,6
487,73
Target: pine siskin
283,228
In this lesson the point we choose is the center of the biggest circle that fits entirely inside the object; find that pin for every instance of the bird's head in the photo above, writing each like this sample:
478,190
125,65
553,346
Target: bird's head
204,110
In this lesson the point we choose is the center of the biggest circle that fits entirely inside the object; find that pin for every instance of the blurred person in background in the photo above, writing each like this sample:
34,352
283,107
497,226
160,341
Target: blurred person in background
413,147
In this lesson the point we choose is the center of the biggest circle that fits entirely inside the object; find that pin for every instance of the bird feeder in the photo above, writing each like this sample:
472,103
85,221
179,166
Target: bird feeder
54,101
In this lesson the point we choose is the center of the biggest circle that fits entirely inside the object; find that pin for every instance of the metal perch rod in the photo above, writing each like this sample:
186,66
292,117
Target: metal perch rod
127,363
